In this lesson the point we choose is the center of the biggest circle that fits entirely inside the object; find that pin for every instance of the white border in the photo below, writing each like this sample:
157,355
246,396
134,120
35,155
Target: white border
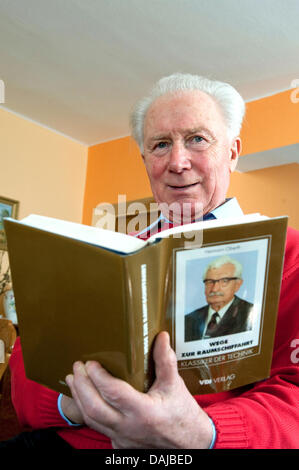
230,346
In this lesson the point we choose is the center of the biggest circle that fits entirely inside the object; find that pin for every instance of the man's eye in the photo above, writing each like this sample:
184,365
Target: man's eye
161,145
197,139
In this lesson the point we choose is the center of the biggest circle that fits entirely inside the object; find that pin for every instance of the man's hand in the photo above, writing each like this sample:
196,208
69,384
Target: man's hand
167,416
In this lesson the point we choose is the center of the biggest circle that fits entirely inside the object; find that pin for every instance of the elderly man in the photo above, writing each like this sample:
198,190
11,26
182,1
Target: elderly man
225,313
188,133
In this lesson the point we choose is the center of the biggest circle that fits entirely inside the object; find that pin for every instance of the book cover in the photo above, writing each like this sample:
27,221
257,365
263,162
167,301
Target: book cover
79,301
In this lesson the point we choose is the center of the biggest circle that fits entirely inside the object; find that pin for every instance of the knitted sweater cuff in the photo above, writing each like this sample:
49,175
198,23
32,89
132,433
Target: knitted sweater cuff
48,412
230,426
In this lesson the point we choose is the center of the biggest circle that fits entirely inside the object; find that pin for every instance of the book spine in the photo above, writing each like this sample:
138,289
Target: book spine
145,281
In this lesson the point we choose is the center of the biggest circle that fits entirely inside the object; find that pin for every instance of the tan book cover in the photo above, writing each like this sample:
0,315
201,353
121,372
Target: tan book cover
106,300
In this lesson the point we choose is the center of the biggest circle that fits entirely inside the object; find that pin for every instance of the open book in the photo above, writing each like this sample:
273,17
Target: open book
84,293
120,242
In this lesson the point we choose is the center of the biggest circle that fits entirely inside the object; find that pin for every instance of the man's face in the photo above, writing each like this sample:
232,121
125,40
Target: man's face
187,153
221,293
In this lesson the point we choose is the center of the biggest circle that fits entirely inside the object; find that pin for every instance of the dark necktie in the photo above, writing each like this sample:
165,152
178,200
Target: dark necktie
212,324
164,224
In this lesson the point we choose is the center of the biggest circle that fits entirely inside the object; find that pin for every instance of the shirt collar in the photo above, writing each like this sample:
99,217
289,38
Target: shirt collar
230,208
220,312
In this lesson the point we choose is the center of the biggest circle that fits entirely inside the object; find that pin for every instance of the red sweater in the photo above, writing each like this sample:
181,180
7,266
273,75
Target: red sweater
264,415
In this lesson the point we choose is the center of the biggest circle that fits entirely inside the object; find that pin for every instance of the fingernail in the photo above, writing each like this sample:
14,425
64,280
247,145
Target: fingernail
69,379
90,363
79,367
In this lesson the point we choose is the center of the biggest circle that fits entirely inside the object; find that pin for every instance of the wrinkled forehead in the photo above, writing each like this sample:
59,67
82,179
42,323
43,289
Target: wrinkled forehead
177,110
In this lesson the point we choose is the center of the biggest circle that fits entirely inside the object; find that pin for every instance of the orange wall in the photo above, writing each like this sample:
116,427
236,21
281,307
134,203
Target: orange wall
270,122
271,191
113,168
116,167
43,170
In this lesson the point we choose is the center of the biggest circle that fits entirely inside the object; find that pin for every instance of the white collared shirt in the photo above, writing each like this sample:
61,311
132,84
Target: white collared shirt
230,208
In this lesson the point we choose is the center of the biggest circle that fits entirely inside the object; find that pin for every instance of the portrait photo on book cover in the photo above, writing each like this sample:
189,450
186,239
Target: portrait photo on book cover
218,299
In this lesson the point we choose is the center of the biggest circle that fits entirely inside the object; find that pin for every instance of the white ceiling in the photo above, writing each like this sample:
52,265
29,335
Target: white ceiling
78,66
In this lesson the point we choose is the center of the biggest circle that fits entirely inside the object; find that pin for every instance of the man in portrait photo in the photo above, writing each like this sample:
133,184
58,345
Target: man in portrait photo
225,312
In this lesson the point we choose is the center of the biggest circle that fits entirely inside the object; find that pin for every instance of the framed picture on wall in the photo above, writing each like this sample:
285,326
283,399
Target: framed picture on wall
8,208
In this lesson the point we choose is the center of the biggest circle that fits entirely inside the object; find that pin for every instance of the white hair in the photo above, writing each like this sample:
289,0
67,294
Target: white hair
230,101
217,263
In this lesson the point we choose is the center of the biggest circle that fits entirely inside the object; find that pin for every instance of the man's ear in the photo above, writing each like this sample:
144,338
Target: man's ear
238,283
235,151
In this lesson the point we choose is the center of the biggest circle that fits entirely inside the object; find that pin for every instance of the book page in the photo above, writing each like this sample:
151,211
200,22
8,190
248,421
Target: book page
206,224
116,241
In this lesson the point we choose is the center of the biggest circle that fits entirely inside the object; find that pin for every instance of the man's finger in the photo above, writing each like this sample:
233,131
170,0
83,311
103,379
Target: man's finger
165,362
118,393
89,400
70,382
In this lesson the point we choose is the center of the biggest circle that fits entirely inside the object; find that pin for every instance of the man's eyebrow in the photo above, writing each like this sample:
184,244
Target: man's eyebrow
158,137
185,132
199,130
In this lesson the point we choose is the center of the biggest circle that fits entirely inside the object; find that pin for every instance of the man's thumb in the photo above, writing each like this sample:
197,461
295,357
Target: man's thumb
165,360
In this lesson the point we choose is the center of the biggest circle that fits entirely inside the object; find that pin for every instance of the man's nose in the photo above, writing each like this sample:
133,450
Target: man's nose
180,158
216,285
